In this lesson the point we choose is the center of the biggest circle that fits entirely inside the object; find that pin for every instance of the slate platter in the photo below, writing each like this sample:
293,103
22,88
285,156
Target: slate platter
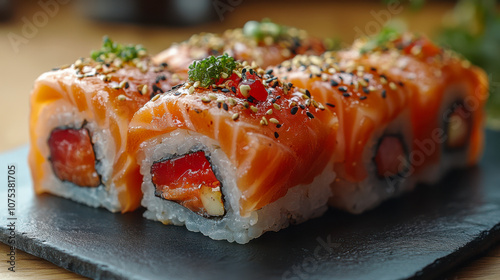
421,235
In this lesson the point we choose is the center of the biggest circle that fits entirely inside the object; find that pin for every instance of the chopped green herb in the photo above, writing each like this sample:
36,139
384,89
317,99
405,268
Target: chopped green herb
263,29
124,52
211,69
386,35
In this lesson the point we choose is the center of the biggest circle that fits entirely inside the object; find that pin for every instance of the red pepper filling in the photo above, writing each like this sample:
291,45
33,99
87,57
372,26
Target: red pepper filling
73,158
190,181
390,157
458,128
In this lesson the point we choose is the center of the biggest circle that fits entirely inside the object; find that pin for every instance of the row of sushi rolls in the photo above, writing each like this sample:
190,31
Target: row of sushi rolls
255,129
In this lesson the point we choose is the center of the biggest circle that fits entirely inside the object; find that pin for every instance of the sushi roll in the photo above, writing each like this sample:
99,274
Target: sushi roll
79,122
374,137
264,43
447,97
234,152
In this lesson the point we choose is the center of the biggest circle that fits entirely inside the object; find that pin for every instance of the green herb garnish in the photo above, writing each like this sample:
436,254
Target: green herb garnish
211,69
260,30
124,52
380,40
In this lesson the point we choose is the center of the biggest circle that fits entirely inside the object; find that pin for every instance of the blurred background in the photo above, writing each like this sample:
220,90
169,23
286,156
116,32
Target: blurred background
40,35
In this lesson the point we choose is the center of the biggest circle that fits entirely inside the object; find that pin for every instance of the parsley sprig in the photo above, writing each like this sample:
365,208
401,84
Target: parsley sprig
211,69
124,52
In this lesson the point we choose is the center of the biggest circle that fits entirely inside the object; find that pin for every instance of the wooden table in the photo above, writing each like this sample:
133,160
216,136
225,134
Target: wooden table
66,35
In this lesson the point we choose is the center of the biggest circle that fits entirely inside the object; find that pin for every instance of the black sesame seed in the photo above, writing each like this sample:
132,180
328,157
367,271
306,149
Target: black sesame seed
343,89
160,78
278,125
273,100
366,80
219,105
127,85
251,99
275,84
330,104
269,72
401,84
363,97
225,90
308,93
290,85
383,93
174,87
373,69
224,105
157,89
342,79
346,94
302,106
366,90
294,110
310,76
233,89
383,76
276,135
269,80
251,71
177,93
289,69
278,97
333,83
310,115
215,90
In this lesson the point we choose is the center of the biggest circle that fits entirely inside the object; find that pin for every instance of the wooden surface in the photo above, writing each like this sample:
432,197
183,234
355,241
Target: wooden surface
67,35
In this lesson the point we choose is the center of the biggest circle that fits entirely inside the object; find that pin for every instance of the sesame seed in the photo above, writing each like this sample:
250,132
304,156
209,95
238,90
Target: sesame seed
276,135
279,125
269,112
245,104
302,106
269,72
308,93
224,75
273,120
254,109
277,107
219,105
305,96
225,107
235,116
346,94
155,97
343,89
393,86
144,90
334,83
320,106
191,89
205,99
383,93
365,90
212,96
231,101
224,90
244,89
264,121
294,110
233,89
121,97
310,115
363,97
330,105
196,84
308,102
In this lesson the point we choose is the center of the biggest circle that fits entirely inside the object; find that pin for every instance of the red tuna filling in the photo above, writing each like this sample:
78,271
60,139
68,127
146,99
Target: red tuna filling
190,181
390,156
73,158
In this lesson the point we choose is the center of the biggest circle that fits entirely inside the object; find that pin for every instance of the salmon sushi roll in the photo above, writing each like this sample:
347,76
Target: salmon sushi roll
447,97
79,121
373,140
264,43
234,152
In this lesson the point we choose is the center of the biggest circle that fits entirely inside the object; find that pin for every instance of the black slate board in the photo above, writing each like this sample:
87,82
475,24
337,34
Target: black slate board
420,235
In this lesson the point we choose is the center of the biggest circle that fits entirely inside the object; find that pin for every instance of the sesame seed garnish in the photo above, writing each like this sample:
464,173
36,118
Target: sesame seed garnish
334,83
302,106
244,89
330,105
245,104
224,90
305,96
343,89
308,102
383,93
269,72
383,80
235,116
274,120
144,89
393,86
346,94
310,115
363,97
155,97
269,112
212,96
121,97
231,101
320,106
294,110
254,109
177,93
219,105
278,125
233,89
225,107
157,89
263,121
276,106
308,93
205,99
191,89
196,84
276,135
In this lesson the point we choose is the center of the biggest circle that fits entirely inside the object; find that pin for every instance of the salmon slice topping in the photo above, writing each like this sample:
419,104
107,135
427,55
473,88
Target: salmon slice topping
458,128
390,157
72,156
190,181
